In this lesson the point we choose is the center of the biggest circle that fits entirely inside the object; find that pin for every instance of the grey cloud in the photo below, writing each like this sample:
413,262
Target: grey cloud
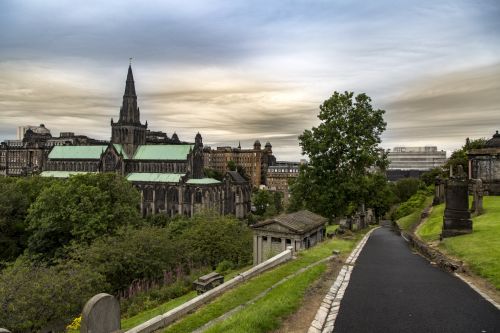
446,109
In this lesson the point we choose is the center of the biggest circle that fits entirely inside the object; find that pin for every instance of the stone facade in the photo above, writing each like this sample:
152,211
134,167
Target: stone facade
254,161
299,230
279,177
169,176
27,156
484,164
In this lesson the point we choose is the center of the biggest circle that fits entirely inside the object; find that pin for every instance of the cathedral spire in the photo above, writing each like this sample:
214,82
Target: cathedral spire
129,131
130,85
129,112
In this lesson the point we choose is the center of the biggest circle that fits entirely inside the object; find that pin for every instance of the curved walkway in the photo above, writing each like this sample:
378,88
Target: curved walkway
392,289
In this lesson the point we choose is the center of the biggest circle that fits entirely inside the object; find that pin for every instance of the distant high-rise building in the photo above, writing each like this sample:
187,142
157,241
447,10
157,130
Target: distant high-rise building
407,162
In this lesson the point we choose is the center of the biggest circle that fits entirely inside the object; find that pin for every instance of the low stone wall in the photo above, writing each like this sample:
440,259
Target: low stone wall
174,314
433,255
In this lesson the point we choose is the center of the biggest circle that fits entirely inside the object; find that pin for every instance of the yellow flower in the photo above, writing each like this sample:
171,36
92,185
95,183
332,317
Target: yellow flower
75,325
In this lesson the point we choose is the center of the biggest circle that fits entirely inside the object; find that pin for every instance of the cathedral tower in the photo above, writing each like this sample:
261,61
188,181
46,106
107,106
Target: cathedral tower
129,131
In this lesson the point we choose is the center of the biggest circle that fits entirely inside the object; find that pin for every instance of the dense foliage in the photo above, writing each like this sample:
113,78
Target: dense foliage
267,203
342,151
80,209
459,156
84,235
406,187
409,206
16,196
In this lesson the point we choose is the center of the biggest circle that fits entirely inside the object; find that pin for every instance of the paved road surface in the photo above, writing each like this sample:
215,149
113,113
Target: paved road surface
393,290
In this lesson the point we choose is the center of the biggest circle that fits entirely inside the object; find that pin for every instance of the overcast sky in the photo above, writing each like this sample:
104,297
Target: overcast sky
246,70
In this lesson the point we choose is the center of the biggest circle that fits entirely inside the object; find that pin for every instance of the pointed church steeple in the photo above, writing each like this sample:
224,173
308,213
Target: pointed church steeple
129,112
129,131
130,85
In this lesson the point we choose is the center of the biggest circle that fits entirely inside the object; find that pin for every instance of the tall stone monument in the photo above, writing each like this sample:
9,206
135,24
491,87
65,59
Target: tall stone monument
457,219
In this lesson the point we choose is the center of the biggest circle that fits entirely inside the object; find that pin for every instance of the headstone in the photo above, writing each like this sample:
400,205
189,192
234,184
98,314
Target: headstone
457,219
477,196
101,314
438,191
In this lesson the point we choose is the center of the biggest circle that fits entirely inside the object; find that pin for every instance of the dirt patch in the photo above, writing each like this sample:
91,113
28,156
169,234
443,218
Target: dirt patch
300,321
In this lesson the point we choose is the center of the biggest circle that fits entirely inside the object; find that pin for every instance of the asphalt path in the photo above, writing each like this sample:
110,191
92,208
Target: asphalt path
394,290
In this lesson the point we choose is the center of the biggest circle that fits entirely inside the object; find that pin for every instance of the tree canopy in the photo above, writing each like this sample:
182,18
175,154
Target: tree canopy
80,209
342,150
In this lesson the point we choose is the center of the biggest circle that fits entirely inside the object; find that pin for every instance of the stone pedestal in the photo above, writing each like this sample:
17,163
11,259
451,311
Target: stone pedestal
457,219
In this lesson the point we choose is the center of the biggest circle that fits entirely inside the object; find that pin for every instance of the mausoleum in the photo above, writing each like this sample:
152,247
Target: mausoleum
300,230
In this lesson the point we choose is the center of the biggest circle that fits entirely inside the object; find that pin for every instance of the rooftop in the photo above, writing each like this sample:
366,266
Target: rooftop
300,222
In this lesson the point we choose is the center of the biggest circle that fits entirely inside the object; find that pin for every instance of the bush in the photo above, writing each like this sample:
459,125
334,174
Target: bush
153,298
408,207
224,266
405,188
33,296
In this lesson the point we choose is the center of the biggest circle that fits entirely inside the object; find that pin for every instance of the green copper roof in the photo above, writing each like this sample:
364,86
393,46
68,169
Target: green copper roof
162,152
77,152
203,181
155,177
62,174
120,150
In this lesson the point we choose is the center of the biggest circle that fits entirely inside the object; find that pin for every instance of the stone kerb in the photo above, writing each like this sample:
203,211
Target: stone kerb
101,314
169,317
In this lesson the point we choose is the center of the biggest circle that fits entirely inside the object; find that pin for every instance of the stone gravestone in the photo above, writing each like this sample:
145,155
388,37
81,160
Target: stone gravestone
101,314
457,219
477,196
438,191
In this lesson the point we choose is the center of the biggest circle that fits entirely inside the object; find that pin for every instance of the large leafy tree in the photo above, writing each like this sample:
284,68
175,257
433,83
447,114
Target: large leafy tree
341,150
459,156
16,196
80,209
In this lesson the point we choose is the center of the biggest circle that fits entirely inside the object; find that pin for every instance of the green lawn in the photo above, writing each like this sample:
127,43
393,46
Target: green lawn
248,290
481,249
148,314
331,228
406,222
431,229
267,313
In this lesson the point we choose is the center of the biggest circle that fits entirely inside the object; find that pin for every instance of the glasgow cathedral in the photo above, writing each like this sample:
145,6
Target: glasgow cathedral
168,173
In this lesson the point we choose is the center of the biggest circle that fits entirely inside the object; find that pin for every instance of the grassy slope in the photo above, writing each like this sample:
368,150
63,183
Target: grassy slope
267,313
430,229
481,249
406,222
148,314
253,287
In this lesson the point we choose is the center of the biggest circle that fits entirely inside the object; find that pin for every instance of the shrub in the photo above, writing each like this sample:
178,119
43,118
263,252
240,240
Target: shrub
408,207
224,266
33,296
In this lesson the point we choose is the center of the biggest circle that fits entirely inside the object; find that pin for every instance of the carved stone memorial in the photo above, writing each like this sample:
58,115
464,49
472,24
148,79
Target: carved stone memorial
457,219
101,314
